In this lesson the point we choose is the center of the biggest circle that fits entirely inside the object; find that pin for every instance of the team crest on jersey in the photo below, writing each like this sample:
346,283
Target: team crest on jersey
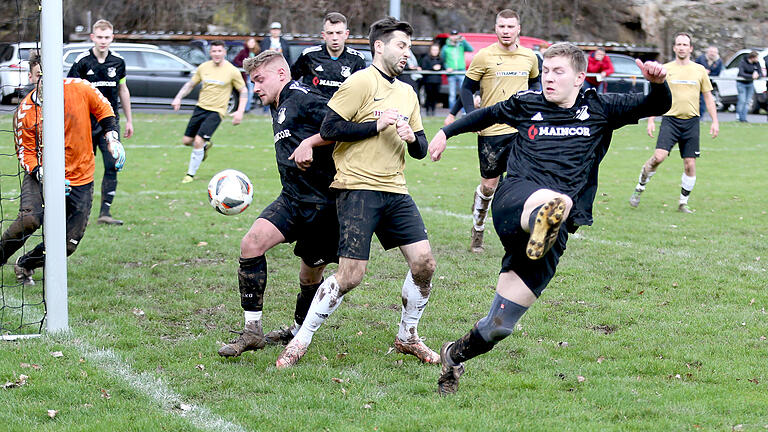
582,113
346,71
281,115
111,72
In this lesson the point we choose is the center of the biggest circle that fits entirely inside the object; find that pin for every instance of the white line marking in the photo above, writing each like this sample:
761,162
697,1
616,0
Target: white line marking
147,384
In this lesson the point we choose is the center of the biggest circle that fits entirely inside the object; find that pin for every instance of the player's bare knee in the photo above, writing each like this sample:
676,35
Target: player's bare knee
251,245
487,190
311,275
422,270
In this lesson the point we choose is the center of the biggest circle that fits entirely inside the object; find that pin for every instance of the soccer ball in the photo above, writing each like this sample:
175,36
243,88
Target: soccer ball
230,192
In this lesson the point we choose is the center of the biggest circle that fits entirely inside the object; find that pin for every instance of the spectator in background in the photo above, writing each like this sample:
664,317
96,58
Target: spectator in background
251,49
598,63
431,82
765,62
713,64
453,60
412,79
276,42
749,71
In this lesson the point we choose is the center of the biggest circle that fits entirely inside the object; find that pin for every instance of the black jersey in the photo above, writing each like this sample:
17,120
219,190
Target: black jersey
105,76
316,68
298,116
561,148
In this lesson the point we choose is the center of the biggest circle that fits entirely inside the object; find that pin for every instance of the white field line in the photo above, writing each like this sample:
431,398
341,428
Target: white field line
148,384
144,383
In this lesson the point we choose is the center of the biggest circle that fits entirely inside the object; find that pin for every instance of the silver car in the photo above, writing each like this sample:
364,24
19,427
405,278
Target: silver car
14,68
153,76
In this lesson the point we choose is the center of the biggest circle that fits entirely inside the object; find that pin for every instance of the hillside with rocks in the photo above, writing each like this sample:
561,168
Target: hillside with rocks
729,24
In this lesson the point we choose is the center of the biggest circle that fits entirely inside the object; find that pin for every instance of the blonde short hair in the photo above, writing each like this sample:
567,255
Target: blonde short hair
103,24
263,58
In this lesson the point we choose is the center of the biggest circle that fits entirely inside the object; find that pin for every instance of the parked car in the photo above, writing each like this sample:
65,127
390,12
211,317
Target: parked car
626,77
14,68
153,76
724,90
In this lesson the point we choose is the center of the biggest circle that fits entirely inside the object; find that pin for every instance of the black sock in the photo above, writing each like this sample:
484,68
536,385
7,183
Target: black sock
304,300
252,278
469,346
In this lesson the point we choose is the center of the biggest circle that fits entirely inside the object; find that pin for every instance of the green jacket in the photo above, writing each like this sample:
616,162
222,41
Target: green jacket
453,55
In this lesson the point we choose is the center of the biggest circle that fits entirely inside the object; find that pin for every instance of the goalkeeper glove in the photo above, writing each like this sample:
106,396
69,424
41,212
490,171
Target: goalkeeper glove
116,149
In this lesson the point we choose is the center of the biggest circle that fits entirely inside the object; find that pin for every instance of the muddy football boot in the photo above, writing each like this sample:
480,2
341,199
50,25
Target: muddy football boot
545,229
280,336
291,355
448,383
250,339
416,347
476,245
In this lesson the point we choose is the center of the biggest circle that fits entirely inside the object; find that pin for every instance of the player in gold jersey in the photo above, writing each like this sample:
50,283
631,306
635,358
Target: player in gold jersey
498,72
680,124
374,118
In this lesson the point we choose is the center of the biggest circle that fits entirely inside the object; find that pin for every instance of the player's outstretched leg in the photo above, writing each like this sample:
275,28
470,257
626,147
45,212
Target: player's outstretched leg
284,335
326,300
493,328
415,299
545,228
480,206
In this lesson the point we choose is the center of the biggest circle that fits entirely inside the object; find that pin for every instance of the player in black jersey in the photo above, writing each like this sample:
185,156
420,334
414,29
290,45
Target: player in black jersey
326,66
305,210
551,178
105,70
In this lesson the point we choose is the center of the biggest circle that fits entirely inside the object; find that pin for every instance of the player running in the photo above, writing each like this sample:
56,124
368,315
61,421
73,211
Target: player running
687,80
106,71
497,72
551,180
304,212
326,66
219,77
374,117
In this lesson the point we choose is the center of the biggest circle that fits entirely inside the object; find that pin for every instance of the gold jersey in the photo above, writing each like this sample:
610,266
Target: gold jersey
218,82
501,74
375,163
686,82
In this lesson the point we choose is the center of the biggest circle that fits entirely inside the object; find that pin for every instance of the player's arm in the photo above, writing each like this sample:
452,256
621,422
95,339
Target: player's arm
475,121
298,67
186,89
125,101
101,110
237,117
467,93
623,109
73,71
335,128
709,101
303,153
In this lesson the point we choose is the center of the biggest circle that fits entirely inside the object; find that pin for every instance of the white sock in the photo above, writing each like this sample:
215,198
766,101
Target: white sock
326,300
686,187
412,309
195,159
295,328
480,208
252,316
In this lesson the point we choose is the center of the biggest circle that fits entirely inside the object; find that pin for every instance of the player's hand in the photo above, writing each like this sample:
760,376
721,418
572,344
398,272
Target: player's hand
176,104
37,173
387,118
405,132
237,117
116,149
651,128
67,187
302,156
128,130
714,130
437,146
652,71
450,118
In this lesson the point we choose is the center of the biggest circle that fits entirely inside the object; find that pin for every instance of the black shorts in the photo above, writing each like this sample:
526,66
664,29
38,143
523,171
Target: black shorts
392,216
203,123
507,209
493,152
683,131
313,227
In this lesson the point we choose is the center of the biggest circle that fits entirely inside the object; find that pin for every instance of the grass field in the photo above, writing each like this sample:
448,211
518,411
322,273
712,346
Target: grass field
655,320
